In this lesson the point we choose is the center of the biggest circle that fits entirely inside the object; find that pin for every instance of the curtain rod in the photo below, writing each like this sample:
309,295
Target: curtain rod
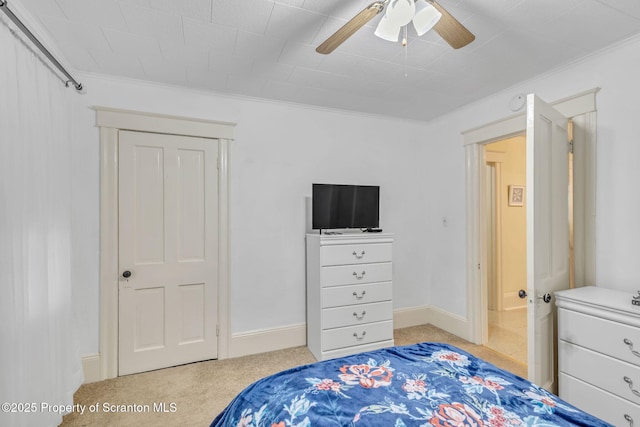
25,30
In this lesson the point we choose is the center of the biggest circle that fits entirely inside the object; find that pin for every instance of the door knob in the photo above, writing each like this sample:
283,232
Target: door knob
126,274
546,298
522,294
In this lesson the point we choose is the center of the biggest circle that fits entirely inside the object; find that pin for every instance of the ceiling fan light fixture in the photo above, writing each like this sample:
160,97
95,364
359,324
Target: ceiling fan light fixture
397,14
426,16
388,30
400,12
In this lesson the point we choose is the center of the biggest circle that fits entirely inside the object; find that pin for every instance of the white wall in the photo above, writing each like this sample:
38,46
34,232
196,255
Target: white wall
617,200
278,152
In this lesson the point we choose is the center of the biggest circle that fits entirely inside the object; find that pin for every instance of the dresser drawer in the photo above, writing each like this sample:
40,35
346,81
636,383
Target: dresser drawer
604,405
337,296
356,315
346,351
604,336
613,375
356,335
355,254
353,274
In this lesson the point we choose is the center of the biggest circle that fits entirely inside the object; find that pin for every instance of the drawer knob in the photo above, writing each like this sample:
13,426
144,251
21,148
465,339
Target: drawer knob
359,338
629,419
360,276
355,294
630,383
628,342
360,317
355,254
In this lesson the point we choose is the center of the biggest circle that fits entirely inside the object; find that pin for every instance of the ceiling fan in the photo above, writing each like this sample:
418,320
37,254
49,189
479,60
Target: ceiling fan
425,14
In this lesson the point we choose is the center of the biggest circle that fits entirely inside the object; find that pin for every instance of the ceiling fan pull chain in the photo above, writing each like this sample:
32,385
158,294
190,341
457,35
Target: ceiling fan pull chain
406,51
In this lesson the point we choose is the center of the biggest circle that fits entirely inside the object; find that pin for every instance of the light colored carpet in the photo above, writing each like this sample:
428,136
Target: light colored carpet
199,391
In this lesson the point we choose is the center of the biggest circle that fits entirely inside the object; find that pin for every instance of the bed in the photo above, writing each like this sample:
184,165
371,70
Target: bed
426,384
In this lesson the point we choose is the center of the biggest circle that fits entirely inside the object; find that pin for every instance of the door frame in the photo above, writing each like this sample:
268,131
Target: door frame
111,121
474,143
496,159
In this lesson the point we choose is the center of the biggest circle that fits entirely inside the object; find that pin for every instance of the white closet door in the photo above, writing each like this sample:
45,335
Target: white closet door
168,232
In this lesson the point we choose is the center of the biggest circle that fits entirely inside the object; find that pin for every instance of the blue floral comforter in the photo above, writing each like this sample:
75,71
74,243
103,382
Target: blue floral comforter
424,384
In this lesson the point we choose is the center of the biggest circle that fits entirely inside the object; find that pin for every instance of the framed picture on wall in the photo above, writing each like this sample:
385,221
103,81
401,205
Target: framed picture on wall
516,195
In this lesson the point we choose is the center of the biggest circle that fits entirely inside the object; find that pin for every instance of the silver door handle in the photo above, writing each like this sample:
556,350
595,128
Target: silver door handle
546,298
629,419
358,256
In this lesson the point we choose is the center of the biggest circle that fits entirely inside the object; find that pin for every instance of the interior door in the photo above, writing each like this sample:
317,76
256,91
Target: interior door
168,220
547,233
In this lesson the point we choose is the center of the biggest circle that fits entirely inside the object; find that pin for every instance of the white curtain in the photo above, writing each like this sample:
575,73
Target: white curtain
39,360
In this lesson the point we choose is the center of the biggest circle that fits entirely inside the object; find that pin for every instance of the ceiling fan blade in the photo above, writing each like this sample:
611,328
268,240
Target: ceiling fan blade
451,30
347,30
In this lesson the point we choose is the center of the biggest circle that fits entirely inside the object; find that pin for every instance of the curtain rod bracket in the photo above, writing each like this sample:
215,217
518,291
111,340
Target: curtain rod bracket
76,85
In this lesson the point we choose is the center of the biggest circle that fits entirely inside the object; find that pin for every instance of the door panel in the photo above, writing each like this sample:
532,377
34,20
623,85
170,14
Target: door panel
149,333
191,202
148,229
168,193
193,310
547,232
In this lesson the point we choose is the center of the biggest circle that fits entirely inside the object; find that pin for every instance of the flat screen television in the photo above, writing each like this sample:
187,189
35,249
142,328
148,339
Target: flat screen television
345,206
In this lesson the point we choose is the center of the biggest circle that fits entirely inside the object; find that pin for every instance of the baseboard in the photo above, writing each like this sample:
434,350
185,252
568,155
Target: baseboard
512,301
452,323
261,341
91,368
265,340
408,317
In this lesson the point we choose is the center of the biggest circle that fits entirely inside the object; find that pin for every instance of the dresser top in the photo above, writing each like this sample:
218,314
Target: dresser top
597,300
354,237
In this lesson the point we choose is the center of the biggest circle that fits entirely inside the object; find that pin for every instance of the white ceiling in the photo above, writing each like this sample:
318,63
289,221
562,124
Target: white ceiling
266,48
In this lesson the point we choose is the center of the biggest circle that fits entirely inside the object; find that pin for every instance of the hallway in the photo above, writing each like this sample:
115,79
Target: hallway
508,333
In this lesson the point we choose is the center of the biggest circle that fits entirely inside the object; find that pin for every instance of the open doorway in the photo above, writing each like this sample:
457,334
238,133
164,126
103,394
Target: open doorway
581,108
505,231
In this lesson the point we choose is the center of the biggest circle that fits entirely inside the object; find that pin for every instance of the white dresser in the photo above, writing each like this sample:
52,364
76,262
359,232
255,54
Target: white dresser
599,353
349,293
